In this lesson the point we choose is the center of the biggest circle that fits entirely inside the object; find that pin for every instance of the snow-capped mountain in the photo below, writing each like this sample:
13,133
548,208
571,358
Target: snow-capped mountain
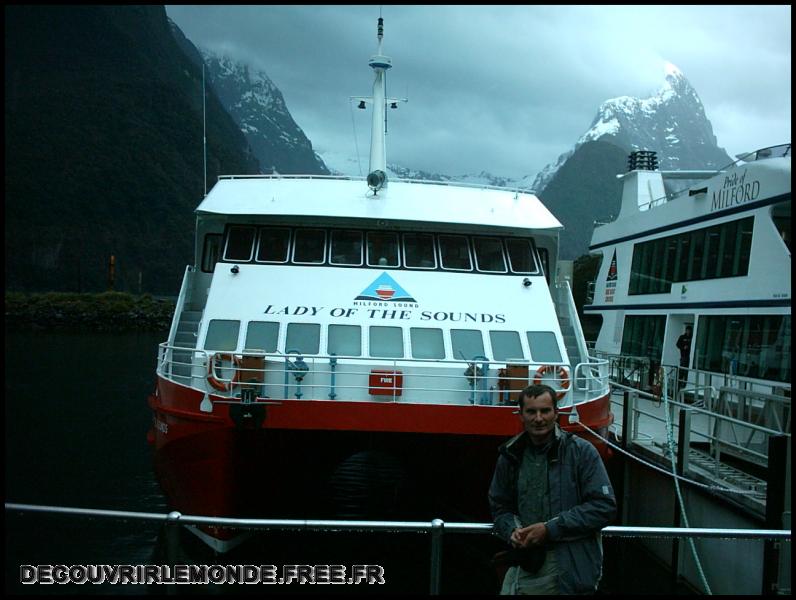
257,105
672,123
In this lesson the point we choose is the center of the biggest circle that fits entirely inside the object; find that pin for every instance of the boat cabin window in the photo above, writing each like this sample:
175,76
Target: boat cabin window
346,248
419,251
643,336
344,340
455,253
426,342
262,335
544,347
489,255
521,256
467,344
274,245
707,253
755,346
211,251
386,342
240,243
309,246
506,345
222,335
304,338
382,249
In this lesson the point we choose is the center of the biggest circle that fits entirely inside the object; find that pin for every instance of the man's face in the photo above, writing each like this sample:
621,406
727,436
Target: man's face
538,417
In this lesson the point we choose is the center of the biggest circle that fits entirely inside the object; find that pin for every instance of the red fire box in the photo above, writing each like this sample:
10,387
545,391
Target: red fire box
386,383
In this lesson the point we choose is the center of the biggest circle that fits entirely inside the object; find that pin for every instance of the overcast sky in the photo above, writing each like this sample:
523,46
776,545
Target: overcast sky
505,89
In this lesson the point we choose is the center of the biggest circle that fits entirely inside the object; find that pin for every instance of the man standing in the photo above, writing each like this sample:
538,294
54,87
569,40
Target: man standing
550,496
684,345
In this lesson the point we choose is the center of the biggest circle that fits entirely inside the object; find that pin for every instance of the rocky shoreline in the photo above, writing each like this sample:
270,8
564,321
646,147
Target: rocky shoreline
108,311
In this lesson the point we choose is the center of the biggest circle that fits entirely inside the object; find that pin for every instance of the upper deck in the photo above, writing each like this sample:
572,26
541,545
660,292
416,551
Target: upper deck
333,198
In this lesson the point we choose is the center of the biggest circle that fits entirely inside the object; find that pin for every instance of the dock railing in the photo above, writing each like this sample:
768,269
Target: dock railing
436,528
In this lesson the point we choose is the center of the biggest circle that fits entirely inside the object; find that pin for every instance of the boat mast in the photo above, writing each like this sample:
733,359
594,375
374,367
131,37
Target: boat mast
377,172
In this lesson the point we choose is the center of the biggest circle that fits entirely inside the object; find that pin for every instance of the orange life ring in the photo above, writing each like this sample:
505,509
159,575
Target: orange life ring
223,386
563,377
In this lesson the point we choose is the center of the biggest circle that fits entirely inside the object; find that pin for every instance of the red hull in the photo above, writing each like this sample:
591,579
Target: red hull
335,459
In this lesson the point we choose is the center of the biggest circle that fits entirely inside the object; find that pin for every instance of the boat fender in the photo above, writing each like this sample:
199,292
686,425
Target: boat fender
563,378
222,386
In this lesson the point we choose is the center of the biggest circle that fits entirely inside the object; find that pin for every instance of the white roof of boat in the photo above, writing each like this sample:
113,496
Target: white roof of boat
404,200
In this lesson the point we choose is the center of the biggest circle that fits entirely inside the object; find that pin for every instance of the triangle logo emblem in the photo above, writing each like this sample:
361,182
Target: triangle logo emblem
384,288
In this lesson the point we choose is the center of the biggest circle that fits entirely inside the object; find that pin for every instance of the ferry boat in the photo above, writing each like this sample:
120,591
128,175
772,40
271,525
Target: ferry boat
353,348
714,256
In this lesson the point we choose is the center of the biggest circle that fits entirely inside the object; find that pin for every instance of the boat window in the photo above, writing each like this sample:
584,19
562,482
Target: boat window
344,340
346,248
544,347
382,249
455,253
240,243
262,335
386,342
309,246
304,338
755,346
506,345
274,245
715,251
521,256
643,336
211,252
222,335
489,255
426,342
419,251
467,344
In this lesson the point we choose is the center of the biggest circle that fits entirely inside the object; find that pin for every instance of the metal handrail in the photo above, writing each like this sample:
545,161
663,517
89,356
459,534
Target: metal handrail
436,528
273,364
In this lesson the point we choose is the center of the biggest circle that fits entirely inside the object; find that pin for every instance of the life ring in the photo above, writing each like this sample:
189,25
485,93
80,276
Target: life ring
223,386
563,377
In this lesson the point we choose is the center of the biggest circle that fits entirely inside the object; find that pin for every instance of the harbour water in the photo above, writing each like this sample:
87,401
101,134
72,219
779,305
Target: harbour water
76,423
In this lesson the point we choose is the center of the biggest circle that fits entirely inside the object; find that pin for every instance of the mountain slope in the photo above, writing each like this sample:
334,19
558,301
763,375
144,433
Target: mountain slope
585,189
257,105
103,148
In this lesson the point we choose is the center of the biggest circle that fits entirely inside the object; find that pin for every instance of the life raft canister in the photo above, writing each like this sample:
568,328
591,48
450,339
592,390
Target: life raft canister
563,378
223,386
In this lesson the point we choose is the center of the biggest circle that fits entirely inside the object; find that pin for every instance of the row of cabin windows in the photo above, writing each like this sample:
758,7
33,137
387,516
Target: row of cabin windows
382,341
708,253
339,247
755,346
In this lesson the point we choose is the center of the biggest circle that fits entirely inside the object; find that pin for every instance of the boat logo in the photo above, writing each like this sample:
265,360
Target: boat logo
385,289
610,282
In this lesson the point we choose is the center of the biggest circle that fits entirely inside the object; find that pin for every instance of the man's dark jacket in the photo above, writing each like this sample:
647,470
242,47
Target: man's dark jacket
580,495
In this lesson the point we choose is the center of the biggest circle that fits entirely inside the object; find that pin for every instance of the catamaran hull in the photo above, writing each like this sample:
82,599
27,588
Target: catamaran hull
333,459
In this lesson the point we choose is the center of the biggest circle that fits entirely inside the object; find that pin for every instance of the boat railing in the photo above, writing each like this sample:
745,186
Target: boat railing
480,186
478,381
705,426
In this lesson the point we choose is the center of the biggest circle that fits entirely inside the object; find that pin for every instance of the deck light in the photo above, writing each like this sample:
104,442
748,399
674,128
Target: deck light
235,270
527,282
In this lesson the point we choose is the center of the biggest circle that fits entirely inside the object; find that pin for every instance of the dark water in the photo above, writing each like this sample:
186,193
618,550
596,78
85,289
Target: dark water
76,423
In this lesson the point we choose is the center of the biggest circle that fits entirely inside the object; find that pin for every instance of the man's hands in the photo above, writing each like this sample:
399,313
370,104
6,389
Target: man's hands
532,535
